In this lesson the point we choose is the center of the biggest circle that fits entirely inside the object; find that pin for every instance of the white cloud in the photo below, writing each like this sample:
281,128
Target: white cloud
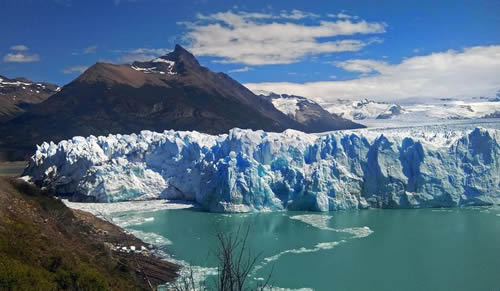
297,14
19,47
20,55
240,70
342,15
21,58
470,72
263,38
75,69
141,54
362,66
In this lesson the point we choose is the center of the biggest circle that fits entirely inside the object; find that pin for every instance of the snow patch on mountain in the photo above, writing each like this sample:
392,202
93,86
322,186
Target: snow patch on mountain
286,105
164,67
363,109
22,84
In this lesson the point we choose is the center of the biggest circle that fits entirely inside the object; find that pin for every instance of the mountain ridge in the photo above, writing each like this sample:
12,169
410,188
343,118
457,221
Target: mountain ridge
18,94
170,92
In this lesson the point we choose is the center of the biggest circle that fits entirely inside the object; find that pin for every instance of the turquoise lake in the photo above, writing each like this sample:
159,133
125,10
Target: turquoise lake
379,249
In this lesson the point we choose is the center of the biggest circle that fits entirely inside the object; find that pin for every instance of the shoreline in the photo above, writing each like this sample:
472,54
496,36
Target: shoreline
155,270
40,234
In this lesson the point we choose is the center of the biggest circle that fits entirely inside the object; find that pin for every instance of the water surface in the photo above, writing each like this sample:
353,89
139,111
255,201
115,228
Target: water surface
424,249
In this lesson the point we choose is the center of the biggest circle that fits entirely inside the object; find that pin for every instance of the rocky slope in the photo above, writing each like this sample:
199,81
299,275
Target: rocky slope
17,95
171,92
308,112
46,246
255,170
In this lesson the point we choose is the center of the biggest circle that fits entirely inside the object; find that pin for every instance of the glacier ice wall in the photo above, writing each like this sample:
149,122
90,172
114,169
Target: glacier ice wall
255,171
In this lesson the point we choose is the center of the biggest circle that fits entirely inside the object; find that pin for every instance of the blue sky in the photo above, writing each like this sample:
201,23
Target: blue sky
330,42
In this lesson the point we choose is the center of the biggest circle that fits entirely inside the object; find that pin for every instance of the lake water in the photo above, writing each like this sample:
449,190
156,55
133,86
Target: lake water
424,249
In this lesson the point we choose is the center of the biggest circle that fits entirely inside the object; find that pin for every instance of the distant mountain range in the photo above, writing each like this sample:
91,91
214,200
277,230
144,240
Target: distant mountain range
438,109
17,95
170,92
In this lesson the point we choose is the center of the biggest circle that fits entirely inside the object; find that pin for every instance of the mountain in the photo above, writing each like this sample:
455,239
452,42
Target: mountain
254,170
308,112
17,95
364,109
170,92
370,112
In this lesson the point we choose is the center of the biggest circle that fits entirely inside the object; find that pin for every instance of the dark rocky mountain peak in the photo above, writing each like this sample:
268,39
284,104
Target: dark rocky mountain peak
178,61
170,92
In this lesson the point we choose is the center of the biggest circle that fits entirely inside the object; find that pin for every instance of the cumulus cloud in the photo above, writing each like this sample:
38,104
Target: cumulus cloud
141,54
19,47
75,69
21,58
297,14
362,66
263,38
472,71
20,54
240,70
342,15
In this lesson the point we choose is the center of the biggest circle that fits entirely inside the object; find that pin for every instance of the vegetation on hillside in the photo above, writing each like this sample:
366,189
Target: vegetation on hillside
44,246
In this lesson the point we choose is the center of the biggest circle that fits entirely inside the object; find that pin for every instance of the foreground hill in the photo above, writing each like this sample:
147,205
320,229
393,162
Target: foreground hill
17,95
46,246
171,92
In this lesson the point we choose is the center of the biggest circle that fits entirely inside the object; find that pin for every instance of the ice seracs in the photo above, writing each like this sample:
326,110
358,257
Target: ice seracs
259,171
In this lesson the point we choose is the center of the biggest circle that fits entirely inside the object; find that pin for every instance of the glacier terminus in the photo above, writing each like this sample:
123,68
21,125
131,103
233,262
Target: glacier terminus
246,170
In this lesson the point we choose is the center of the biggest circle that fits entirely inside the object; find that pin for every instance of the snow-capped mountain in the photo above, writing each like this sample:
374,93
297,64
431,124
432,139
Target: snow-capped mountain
307,112
170,92
437,110
249,170
364,109
16,95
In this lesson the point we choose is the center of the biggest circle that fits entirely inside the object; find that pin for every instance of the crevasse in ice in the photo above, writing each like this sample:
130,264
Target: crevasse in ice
249,170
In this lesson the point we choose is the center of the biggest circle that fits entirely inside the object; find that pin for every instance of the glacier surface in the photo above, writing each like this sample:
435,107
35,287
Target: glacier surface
249,170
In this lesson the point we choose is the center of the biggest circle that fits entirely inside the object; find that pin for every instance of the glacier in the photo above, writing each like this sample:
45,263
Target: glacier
247,170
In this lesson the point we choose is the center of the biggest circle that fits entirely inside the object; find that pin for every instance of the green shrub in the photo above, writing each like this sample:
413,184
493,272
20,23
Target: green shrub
91,280
15,275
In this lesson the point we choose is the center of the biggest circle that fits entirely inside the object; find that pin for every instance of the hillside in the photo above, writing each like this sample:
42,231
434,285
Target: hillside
46,246
307,112
19,94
